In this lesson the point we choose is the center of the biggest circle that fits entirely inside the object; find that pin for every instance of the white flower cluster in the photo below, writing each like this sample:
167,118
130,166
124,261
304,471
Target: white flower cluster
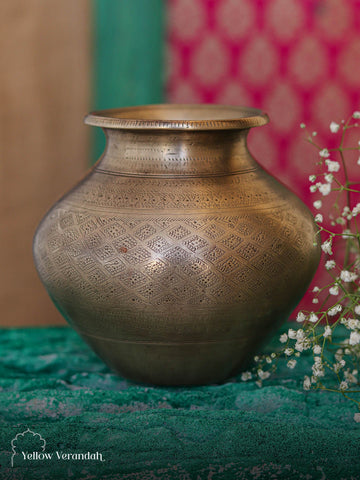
347,276
356,210
246,376
332,166
324,153
347,213
334,127
344,288
318,368
326,246
327,331
330,264
334,290
334,310
354,338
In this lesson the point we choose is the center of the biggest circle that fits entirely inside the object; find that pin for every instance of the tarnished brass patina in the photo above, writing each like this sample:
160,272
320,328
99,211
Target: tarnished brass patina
177,254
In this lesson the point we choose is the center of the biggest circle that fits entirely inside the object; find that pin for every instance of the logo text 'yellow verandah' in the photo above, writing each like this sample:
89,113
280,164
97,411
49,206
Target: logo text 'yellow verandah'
40,456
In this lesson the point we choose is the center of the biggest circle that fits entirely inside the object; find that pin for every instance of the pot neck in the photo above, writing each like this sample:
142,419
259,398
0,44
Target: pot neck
174,152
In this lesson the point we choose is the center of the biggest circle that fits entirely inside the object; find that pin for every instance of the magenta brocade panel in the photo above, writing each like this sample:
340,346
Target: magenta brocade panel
298,60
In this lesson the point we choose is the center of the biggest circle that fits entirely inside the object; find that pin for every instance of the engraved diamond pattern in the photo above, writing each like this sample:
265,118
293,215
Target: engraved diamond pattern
179,232
169,260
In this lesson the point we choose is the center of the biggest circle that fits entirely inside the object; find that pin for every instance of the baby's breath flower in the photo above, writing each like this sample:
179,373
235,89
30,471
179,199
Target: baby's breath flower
316,289
283,338
351,377
317,204
337,367
291,333
312,178
289,351
347,276
358,161
317,368
330,264
317,349
334,310
327,331
346,210
300,334
344,385
339,354
356,210
302,344
245,376
333,166
334,290
301,317
356,114
324,153
342,362
313,318
315,300
357,417
354,338
352,323
329,177
263,375
357,309
334,127
291,363
326,247
313,188
302,125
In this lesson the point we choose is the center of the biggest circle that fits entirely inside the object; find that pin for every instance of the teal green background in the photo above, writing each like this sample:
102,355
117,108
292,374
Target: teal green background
128,56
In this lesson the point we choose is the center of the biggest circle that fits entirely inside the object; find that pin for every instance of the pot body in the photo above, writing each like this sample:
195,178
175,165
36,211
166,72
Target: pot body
177,254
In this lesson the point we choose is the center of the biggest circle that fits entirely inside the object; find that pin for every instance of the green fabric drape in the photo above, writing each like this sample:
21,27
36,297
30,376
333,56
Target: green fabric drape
52,383
127,56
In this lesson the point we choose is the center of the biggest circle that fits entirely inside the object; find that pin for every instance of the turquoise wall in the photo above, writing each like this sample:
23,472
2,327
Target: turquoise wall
128,56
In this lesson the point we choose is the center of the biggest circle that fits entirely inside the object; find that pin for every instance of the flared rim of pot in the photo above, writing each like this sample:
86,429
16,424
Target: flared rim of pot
178,117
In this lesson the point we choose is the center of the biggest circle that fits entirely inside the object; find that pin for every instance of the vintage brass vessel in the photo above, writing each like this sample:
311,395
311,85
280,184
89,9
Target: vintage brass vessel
177,254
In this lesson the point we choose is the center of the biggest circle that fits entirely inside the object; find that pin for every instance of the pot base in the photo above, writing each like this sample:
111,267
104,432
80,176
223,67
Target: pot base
172,364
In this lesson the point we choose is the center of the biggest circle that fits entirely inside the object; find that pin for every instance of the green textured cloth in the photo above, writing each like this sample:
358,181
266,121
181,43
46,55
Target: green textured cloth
53,384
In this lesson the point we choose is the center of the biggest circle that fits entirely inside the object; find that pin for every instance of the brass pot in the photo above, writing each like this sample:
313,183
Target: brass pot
177,254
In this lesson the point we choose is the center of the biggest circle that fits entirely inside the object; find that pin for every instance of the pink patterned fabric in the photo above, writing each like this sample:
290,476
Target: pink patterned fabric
298,60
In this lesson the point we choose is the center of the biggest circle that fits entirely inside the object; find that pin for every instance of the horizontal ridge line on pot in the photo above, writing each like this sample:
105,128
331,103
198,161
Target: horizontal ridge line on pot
220,117
179,343
169,175
174,211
